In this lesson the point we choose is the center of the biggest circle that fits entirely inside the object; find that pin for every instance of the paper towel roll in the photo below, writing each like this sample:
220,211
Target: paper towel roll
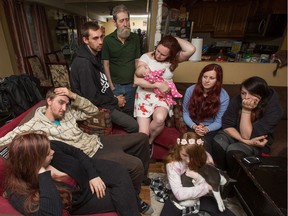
197,42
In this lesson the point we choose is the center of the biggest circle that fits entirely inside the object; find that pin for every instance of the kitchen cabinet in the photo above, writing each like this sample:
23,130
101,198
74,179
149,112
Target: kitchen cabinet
203,15
260,8
231,19
279,7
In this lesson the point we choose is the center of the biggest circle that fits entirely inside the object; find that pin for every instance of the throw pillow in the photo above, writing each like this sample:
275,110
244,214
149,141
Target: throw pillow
101,124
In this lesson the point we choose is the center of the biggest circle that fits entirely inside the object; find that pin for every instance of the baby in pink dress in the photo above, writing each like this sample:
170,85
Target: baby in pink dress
156,76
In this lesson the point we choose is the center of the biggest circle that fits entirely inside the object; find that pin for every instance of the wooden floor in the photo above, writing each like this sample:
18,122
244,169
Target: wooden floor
145,191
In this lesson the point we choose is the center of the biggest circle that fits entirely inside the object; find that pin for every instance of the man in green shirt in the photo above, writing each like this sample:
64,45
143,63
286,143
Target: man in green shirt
120,52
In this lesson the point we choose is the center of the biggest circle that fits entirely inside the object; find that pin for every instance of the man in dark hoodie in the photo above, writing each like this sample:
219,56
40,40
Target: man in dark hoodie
88,79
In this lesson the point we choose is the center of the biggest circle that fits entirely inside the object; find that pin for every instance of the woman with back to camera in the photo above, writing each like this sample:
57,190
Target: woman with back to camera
151,110
248,123
205,103
37,180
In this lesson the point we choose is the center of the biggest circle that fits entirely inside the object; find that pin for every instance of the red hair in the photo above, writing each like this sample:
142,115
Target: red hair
200,107
197,153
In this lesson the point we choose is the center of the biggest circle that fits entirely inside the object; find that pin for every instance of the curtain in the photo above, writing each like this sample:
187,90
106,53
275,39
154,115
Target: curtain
42,31
79,21
19,32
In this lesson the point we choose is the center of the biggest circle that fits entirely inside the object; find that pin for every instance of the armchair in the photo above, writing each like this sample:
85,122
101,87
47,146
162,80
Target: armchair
51,57
37,70
59,74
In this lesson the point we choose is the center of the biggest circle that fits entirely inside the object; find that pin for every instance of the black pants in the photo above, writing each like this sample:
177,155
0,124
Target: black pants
224,149
120,195
124,121
207,204
129,150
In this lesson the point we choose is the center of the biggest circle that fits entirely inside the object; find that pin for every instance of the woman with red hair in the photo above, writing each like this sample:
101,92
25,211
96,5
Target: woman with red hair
205,103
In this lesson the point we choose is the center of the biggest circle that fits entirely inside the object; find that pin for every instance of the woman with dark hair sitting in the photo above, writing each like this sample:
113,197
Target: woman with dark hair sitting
37,179
248,123
204,104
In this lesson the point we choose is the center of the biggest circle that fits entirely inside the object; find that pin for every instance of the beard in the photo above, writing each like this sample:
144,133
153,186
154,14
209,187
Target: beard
124,33
59,116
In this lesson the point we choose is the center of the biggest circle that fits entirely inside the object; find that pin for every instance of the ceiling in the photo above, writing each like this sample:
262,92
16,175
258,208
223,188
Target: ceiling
98,9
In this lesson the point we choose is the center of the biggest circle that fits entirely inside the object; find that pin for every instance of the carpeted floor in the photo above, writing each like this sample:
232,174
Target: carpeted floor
231,203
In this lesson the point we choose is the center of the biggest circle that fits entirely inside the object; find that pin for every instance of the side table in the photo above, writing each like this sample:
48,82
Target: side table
262,188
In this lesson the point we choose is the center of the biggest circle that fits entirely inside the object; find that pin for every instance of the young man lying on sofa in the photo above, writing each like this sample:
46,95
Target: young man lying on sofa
59,120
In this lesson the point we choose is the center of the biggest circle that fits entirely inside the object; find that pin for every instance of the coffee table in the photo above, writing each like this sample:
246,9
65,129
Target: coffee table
262,188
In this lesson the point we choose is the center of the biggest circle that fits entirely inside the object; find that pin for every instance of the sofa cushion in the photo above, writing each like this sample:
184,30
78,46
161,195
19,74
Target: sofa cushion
100,124
2,174
31,112
6,208
164,141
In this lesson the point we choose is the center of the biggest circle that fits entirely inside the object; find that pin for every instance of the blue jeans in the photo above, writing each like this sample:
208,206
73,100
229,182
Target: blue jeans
128,91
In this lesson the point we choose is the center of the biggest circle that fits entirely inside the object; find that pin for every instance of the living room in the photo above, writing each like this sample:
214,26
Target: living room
186,74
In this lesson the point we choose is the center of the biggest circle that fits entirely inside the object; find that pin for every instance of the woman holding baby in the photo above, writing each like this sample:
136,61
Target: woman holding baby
151,109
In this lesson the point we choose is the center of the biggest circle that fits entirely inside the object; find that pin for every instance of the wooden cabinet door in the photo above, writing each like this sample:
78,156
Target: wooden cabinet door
279,7
239,18
203,15
209,13
231,19
222,24
195,16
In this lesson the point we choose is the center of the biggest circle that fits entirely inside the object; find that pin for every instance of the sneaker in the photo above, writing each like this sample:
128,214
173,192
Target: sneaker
145,208
146,181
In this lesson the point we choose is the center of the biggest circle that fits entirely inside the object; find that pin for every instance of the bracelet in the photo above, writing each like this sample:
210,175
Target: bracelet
248,112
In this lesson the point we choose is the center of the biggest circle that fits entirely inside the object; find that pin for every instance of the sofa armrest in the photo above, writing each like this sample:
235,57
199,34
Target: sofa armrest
21,119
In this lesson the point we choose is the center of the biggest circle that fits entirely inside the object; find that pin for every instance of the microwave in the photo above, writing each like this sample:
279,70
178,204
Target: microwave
271,26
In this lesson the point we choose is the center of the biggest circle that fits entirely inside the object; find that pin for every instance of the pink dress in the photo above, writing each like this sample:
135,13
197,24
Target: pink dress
156,76
146,100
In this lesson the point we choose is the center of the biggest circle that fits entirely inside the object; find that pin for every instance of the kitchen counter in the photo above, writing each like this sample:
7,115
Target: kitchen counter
234,72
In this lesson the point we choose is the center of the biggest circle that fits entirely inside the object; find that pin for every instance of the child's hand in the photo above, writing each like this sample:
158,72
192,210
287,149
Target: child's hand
192,174
163,87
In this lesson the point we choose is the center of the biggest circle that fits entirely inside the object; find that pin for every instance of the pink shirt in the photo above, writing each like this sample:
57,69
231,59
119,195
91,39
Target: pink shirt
174,171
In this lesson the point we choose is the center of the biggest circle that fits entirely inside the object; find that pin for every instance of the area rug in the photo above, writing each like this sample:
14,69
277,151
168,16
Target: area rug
157,206
231,203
